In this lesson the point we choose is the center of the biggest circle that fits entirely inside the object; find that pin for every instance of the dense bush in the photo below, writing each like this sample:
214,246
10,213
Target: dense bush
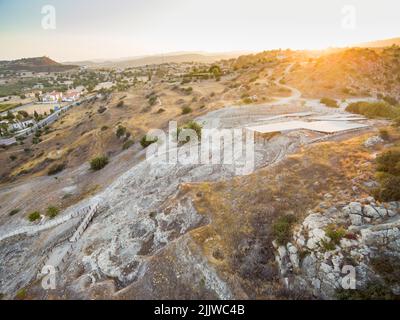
147,140
282,228
332,103
186,110
374,109
52,212
120,131
389,162
389,189
34,216
98,163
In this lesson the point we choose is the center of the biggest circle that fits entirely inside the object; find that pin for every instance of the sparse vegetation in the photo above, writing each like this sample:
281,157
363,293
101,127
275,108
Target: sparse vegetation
98,163
332,103
14,212
282,228
335,233
127,144
384,134
373,291
21,294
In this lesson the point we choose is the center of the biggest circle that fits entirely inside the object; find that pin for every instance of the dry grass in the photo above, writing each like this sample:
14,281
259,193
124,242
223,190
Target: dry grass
237,241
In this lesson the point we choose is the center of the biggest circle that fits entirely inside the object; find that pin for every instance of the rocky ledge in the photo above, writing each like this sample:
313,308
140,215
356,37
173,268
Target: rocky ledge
359,239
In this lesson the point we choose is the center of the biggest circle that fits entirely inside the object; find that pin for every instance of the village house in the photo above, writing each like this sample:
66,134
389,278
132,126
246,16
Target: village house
21,125
71,96
52,97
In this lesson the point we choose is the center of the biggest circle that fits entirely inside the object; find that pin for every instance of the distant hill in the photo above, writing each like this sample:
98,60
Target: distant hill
160,59
37,64
380,43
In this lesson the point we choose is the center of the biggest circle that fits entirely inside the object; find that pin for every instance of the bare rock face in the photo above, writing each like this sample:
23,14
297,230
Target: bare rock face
365,232
372,141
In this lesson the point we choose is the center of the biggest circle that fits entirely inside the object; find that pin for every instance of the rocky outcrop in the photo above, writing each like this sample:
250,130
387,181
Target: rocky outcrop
372,141
328,248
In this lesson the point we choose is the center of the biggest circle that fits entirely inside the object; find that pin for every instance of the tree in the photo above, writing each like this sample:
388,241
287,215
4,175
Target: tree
215,70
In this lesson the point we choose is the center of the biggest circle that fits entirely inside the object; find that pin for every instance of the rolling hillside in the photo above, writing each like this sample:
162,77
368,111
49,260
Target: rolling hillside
37,64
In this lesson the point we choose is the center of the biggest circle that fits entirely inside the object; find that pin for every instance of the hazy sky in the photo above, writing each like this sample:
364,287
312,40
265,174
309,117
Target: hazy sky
90,29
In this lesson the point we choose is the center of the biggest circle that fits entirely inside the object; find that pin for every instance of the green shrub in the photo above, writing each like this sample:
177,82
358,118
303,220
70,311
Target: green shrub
389,189
21,294
98,163
282,228
13,157
120,131
13,212
52,212
374,109
335,233
193,125
104,128
327,245
332,103
389,162
147,140
186,110
152,99
34,216
56,168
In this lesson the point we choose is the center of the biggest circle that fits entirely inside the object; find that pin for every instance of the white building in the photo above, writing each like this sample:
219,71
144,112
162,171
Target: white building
71,96
21,125
52,96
